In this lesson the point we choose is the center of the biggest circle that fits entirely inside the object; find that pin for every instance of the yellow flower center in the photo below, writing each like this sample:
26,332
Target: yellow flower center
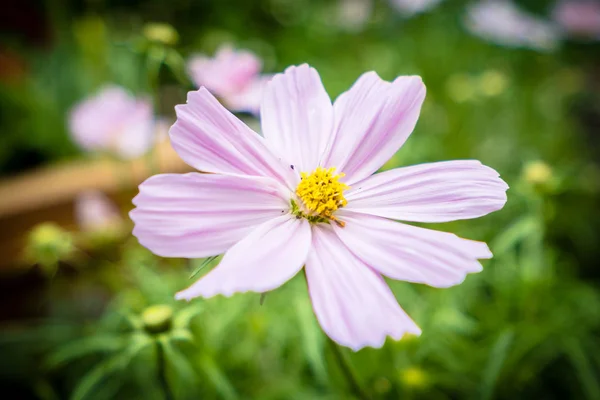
321,194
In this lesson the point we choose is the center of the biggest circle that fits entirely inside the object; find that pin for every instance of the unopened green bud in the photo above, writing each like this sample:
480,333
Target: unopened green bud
161,33
537,173
157,318
48,244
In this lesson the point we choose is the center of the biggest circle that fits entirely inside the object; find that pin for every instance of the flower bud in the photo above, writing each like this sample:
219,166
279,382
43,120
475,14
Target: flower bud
537,173
48,244
161,33
157,318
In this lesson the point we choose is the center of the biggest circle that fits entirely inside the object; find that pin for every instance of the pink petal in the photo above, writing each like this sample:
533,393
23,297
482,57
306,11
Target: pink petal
137,135
228,73
264,260
372,121
435,192
248,99
113,120
94,211
353,304
211,139
199,215
297,116
409,253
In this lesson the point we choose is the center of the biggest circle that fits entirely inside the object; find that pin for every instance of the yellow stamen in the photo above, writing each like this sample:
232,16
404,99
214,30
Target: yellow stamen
321,193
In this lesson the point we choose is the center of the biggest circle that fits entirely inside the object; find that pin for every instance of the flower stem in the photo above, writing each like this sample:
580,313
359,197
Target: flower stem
348,370
162,375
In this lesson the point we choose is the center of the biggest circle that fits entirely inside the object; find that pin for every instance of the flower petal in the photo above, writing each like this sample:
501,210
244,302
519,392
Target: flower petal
297,116
199,215
353,303
227,73
264,260
372,121
248,99
409,253
435,192
211,139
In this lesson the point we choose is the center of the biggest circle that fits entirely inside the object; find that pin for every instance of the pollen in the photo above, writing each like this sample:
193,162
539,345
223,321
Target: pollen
321,194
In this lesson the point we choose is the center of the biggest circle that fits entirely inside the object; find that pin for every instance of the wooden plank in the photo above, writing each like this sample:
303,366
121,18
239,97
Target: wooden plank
58,184
48,194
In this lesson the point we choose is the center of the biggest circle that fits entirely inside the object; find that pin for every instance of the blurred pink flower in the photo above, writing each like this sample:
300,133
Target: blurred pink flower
502,22
233,76
94,212
579,18
278,203
411,7
113,121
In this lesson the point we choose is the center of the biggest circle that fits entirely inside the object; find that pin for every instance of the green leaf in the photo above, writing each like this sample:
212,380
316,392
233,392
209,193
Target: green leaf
83,347
176,64
313,341
180,374
184,316
99,375
584,369
182,336
143,370
495,362
217,377
515,233
203,265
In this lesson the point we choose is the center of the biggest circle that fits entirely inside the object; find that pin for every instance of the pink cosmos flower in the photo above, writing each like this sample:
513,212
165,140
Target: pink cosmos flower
233,76
113,121
412,7
579,18
502,22
94,212
305,196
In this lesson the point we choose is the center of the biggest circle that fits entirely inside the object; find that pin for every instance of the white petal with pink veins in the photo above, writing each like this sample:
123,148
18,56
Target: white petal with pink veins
372,121
434,192
264,260
410,253
200,215
297,116
211,139
353,303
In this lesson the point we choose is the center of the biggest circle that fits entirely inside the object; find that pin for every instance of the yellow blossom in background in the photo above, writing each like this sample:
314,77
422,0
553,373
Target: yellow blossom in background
414,377
492,83
461,88
537,173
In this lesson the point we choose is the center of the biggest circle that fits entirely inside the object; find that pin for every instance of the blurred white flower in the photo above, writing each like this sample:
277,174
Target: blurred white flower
579,18
503,23
114,121
411,7
95,212
353,15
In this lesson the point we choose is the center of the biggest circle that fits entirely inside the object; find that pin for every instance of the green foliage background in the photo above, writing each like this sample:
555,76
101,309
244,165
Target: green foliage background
526,327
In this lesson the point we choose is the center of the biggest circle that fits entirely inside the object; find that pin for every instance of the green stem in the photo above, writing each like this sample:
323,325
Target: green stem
348,371
162,375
